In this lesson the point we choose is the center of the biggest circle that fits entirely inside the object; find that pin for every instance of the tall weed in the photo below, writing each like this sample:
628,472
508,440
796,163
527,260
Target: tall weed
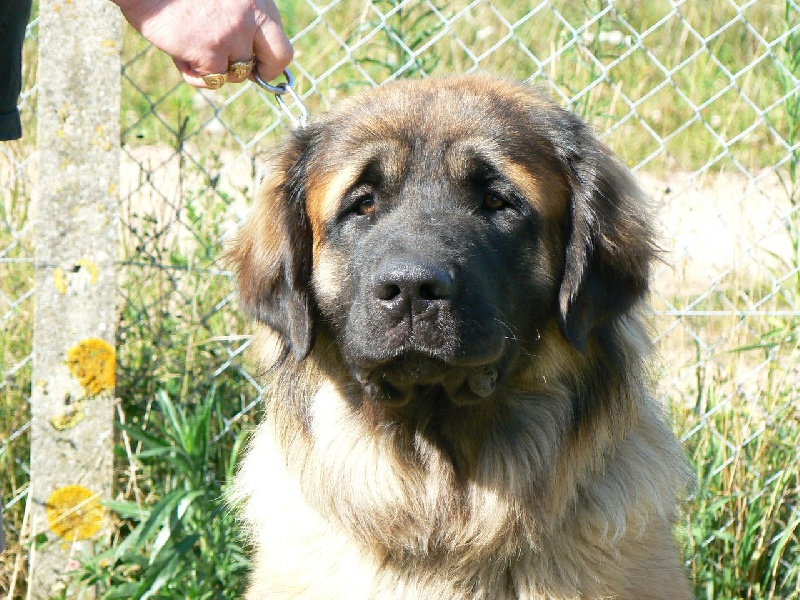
181,541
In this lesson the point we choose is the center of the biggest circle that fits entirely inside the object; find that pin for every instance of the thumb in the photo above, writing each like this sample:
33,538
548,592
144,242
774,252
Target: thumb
273,50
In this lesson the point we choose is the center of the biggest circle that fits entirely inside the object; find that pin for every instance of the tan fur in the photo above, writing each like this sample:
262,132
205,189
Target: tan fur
342,502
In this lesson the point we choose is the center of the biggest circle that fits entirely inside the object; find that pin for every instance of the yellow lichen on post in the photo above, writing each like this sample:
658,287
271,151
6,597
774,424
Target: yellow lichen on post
90,266
92,362
74,513
69,419
60,280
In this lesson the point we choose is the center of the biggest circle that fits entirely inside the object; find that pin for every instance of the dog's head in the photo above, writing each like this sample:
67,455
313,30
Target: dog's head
433,230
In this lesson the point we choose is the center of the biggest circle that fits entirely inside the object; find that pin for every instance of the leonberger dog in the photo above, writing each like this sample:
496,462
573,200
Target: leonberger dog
450,276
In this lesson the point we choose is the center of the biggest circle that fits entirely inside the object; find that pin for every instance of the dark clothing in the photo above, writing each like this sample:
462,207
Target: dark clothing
14,15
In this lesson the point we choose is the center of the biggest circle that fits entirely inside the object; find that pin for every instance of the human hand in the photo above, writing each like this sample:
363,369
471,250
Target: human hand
206,36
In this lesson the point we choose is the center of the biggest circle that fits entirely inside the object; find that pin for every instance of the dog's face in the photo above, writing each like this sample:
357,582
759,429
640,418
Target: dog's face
435,230
424,237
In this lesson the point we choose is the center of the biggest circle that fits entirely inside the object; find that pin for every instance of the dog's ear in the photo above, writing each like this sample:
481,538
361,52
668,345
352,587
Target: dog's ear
272,252
610,241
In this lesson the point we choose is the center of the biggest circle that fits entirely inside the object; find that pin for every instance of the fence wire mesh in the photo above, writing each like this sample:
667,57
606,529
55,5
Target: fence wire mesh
17,182
702,103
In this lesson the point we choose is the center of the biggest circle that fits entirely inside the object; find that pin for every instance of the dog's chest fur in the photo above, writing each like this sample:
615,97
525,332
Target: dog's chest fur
412,530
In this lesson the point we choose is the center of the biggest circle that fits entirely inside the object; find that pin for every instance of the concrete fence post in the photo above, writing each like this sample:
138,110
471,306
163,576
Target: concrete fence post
76,242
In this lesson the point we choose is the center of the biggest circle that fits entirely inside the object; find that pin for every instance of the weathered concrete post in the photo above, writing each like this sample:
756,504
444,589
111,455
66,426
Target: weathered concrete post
77,225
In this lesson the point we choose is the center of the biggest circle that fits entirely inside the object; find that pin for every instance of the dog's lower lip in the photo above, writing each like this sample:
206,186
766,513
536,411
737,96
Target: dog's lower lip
366,364
395,383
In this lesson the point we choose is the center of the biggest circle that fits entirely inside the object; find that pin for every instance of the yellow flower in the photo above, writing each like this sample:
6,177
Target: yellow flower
92,362
74,513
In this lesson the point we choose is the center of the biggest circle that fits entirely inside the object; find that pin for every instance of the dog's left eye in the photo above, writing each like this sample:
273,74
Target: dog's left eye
493,201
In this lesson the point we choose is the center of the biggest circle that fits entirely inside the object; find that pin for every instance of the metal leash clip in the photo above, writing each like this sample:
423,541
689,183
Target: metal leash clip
285,87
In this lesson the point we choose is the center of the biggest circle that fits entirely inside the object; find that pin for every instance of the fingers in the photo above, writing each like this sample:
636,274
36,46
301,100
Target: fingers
269,61
193,73
227,71
250,29
239,70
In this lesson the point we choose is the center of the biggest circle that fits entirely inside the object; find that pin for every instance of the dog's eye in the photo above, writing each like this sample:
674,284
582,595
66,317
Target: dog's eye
359,201
366,205
493,201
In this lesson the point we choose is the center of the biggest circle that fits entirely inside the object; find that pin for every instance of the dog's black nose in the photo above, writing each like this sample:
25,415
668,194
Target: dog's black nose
409,284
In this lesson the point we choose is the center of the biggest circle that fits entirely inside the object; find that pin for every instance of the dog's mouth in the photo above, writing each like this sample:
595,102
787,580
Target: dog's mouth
404,379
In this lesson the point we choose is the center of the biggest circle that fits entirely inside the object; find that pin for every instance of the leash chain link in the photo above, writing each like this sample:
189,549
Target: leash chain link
285,87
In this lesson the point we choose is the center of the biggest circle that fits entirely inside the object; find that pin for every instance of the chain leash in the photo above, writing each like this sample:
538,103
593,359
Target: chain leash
280,90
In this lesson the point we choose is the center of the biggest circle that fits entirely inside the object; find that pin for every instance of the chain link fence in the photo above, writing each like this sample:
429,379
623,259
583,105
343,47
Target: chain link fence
17,184
702,103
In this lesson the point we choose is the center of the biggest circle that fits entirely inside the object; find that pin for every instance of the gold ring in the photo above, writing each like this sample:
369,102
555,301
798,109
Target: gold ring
214,81
240,69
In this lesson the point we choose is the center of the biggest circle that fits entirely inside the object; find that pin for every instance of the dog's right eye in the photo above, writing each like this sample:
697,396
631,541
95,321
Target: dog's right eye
494,202
359,201
365,205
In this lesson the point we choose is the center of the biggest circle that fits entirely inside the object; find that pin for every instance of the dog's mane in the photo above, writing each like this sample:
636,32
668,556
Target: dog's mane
387,483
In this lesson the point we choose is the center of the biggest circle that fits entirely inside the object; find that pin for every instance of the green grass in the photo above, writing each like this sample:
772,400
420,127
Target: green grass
16,317
184,390
742,527
183,543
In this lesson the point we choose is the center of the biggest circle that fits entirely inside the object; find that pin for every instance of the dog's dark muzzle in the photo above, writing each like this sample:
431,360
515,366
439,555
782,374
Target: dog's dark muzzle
423,323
